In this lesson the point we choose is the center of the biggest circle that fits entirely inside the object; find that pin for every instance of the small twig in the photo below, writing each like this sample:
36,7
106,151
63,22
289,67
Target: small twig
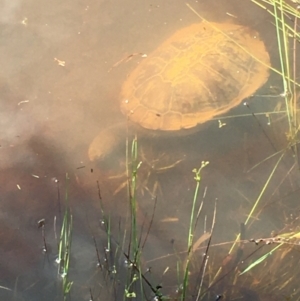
41,224
97,252
126,59
261,127
151,222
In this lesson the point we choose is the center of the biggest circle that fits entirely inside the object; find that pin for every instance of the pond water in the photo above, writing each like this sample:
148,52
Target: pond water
62,69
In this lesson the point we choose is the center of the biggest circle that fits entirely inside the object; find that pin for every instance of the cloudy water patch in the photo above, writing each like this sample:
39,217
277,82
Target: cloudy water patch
8,10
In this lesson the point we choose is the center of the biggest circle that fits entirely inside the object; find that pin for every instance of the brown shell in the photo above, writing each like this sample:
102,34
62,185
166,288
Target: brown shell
200,72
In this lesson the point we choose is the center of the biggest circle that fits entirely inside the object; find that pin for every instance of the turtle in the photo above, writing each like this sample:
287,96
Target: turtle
200,72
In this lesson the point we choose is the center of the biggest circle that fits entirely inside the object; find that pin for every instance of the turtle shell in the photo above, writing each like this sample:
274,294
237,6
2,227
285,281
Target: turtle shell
200,72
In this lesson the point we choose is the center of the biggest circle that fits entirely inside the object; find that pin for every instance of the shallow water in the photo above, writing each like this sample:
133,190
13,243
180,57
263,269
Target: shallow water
62,68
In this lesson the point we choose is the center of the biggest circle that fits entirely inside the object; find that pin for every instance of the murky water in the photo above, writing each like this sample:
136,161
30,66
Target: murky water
62,68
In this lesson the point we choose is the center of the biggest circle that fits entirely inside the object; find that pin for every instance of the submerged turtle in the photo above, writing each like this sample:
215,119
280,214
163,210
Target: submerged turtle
200,72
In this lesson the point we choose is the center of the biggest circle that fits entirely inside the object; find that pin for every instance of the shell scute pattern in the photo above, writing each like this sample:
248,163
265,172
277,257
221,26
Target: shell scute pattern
200,72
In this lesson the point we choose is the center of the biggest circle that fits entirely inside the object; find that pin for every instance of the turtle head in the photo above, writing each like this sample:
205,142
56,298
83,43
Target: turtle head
107,145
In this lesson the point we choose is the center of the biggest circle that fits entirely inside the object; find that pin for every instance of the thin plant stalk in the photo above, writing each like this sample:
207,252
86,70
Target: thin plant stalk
64,248
197,178
134,249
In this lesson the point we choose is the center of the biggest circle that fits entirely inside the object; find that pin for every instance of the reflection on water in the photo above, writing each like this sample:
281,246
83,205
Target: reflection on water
59,86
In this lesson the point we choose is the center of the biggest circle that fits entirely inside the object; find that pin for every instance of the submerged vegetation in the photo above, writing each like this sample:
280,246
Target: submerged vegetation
206,267
253,268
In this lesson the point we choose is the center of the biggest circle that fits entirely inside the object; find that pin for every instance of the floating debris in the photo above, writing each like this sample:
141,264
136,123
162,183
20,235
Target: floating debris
24,21
59,62
23,101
